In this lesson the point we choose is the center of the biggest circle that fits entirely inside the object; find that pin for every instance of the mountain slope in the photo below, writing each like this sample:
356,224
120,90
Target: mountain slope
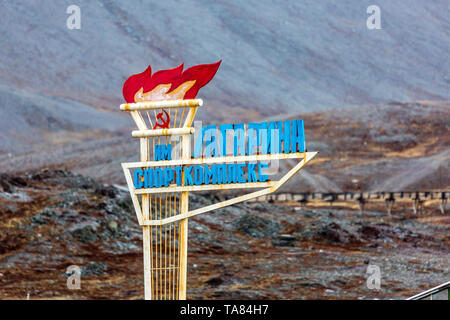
278,57
60,89
29,120
380,147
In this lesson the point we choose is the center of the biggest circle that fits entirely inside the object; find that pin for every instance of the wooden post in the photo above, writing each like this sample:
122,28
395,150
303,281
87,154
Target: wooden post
416,205
390,203
146,229
186,154
361,202
442,203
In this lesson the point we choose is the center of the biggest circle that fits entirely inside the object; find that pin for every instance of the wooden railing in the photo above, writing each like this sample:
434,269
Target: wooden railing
417,198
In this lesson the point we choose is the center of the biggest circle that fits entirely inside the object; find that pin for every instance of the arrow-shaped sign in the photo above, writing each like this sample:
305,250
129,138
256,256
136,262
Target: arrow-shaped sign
269,186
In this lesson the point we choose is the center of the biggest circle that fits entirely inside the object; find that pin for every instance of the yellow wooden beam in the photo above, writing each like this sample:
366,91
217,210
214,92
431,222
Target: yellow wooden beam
161,104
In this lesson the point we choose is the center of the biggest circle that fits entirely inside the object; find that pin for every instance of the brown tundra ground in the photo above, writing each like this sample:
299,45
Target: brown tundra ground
50,220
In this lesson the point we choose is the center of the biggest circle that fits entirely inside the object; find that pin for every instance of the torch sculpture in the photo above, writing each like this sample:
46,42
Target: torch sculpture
163,106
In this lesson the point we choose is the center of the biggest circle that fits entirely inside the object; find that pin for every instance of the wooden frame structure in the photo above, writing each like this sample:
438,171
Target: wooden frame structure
165,222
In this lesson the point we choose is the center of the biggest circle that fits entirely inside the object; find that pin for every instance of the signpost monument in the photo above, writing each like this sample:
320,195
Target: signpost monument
228,156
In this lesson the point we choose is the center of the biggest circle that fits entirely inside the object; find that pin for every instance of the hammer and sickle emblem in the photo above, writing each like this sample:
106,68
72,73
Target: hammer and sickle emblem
165,121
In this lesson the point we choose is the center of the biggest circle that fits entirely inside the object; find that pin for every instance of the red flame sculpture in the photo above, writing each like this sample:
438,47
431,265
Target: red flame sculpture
168,84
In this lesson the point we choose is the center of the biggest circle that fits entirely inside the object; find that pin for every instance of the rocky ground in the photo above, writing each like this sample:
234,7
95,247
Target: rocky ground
50,220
